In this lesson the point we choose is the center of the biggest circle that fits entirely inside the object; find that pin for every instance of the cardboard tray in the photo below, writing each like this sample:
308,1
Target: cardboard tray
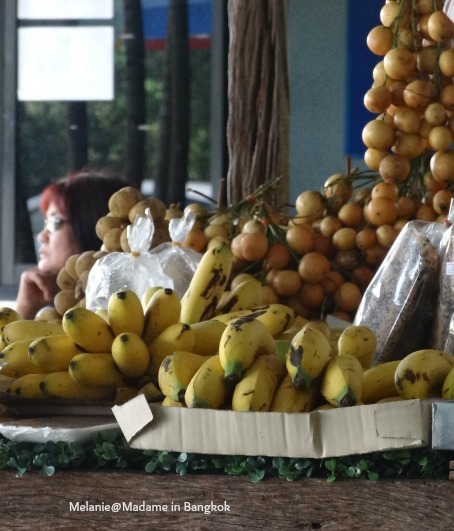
319,434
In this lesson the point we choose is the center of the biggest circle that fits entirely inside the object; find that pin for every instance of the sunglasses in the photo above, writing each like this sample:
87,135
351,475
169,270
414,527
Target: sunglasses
53,223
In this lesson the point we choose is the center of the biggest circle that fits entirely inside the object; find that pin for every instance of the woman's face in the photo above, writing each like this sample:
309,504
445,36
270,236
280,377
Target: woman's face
57,242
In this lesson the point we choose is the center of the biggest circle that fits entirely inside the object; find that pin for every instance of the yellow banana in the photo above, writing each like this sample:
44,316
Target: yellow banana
148,293
241,341
207,336
15,361
378,382
163,309
176,371
342,381
130,354
27,386
88,329
150,391
447,390
125,313
102,312
208,283
169,402
208,387
276,317
244,296
178,336
307,356
60,384
53,353
360,341
29,328
8,315
421,374
95,369
256,389
287,399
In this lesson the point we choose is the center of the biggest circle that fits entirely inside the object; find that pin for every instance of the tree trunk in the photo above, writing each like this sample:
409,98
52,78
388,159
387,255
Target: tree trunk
78,135
134,165
258,93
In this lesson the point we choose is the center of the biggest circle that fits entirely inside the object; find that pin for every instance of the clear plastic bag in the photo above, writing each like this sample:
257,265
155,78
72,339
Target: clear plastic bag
137,270
399,303
178,262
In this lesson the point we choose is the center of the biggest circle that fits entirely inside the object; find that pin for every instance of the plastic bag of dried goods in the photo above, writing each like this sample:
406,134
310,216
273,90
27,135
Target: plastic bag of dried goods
442,325
136,270
399,303
178,262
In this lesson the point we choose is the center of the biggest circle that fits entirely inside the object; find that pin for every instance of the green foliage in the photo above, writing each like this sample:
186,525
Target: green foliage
110,451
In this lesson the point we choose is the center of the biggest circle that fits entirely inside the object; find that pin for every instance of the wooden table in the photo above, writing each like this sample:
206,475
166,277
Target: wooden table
37,502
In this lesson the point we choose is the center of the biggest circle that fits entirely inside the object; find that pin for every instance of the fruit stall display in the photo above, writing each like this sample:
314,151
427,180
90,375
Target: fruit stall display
252,330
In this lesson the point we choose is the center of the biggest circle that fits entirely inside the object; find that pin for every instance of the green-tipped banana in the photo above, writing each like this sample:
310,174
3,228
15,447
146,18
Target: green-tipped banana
53,353
421,374
88,329
360,341
243,340
378,382
342,381
125,313
307,356
176,371
208,387
209,281
256,389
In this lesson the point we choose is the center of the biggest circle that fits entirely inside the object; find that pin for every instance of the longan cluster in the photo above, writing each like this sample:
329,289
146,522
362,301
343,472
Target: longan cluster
410,141
124,206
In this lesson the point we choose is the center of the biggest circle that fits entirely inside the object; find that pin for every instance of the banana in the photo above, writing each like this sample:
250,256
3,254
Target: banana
163,309
88,329
276,317
125,393
342,381
256,389
207,336
307,356
130,354
208,283
287,399
208,387
360,341
29,328
172,403
244,296
150,391
378,382
53,353
95,369
421,374
178,336
125,313
8,315
60,384
27,386
176,371
148,293
15,361
241,341
447,389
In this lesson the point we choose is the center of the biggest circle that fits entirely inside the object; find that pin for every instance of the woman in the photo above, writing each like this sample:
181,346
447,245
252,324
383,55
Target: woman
71,208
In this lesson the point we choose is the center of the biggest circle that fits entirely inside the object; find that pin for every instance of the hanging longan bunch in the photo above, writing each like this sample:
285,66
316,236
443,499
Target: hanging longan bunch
410,143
